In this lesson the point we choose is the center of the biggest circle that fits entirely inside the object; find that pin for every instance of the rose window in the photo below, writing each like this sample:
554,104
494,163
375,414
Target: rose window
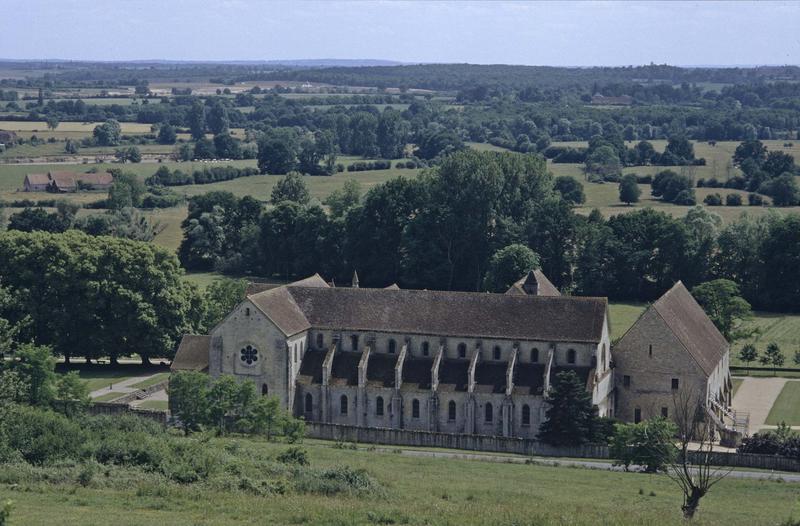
249,355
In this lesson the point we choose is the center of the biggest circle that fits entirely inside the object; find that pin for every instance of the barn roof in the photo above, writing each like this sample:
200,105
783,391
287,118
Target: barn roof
38,179
192,353
692,327
477,315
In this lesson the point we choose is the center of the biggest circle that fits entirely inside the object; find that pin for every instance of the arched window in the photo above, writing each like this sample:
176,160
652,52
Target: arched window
379,406
451,410
354,341
426,349
343,405
415,409
534,355
526,415
248,354
264,390
489,413
392,346
496,352
462,350
320,341
571,356
309,403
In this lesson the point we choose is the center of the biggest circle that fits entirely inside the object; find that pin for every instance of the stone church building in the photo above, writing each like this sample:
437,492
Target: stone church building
453,362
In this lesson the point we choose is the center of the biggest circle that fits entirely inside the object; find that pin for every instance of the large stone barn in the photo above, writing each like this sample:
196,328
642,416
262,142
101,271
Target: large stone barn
673,346
455,362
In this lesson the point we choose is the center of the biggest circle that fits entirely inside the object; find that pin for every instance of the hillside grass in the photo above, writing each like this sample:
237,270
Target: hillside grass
108,397
787,406
418,491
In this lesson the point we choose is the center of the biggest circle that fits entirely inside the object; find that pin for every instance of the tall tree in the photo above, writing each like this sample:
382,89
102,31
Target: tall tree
569,413
507,265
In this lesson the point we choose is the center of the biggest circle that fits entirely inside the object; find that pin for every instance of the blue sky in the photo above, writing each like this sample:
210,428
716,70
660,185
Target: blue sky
544,33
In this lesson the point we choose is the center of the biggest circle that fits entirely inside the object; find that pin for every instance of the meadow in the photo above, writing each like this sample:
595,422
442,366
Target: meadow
787,407
433,491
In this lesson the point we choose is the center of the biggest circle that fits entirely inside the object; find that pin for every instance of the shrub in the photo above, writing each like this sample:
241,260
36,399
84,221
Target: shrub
41,436
339,479
685,197
733,200
294,455
755,200
713,200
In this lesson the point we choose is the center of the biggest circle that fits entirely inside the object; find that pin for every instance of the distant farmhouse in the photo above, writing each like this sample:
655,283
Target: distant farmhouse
458,362
602,100
67,182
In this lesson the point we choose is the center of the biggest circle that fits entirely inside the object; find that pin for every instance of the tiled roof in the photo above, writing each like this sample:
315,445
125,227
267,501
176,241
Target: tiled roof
477,315
417,371
192,353
345,367
455,373
536,280
279,306
491,375
380,368
38,179
694,329
311,366
529,378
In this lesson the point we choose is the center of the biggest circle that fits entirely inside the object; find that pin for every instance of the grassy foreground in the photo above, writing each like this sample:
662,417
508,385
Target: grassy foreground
417,491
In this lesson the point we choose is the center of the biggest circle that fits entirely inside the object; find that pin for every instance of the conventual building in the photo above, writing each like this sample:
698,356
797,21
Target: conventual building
452,362
456,362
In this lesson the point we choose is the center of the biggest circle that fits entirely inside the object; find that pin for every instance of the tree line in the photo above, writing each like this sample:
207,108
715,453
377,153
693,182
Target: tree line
441,229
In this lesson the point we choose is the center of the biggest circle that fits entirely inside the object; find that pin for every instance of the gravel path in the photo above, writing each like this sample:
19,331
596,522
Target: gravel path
756,396
123,386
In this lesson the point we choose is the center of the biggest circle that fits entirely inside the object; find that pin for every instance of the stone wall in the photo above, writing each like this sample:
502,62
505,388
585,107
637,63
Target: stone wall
518,446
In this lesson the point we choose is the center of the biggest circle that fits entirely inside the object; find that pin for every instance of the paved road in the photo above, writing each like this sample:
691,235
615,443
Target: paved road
590,464
123,386
756,396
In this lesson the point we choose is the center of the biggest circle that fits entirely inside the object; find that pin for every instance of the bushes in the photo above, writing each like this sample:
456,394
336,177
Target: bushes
294,455
39,436
733,200
339,479
362,166
647,444
713,200
165,177
781,441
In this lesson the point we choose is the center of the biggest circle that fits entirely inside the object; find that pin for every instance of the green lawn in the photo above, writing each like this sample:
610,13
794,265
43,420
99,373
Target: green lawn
417,491
737,382
787,407
622,316
108,397
99,376
156,378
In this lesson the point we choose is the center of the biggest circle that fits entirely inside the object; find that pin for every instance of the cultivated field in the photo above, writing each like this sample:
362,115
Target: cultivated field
417,491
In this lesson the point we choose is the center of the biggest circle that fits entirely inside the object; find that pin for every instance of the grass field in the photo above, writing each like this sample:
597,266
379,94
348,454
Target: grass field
128,128
418,491
623,315
108,397
153,380
605,197
737,382
787,407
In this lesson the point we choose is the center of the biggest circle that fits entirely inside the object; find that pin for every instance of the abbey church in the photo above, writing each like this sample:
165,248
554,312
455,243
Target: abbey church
458,362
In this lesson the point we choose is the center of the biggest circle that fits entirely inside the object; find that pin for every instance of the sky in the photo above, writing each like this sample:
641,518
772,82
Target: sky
531,33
